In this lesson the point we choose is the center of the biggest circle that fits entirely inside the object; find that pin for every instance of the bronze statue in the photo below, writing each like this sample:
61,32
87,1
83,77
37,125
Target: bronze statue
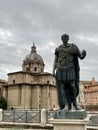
66,71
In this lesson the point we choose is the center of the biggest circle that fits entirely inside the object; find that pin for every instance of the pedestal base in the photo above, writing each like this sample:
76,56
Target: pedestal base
69,124
62,114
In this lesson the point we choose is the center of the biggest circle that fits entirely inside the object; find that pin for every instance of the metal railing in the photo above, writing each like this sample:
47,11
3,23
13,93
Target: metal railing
22,116
39,116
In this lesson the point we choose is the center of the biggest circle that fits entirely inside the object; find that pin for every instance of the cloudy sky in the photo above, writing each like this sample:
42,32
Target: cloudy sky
44,21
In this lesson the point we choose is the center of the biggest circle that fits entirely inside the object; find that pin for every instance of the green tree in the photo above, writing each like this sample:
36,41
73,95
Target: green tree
3,103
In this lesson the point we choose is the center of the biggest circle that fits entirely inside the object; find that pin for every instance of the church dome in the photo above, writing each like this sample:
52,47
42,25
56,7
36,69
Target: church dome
34,57
33,61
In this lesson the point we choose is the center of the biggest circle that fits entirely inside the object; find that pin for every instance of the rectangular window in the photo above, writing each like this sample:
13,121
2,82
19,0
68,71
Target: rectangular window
35,68
13,81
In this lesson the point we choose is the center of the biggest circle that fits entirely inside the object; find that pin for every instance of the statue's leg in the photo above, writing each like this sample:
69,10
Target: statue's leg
65,96
74,95
62,98
68,95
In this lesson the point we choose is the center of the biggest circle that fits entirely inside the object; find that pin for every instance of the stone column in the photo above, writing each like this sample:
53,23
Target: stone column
69,124
1,114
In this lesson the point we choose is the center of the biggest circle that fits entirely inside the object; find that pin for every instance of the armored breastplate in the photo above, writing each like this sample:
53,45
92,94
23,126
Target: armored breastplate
64,57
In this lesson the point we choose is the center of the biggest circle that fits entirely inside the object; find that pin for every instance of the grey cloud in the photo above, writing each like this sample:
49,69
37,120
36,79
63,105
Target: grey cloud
43,21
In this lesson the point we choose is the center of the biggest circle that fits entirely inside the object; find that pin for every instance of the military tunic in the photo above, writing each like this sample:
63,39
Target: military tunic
65,62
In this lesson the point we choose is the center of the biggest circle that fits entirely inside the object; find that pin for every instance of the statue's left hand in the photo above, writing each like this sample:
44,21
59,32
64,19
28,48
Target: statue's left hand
84,53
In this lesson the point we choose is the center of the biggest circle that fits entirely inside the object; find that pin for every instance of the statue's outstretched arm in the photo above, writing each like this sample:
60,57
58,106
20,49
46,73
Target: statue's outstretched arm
81,54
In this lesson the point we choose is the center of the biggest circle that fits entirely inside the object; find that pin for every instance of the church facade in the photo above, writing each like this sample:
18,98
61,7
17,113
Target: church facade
31,88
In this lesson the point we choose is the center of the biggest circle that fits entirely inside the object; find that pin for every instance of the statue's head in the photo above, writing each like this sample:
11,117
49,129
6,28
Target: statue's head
65,37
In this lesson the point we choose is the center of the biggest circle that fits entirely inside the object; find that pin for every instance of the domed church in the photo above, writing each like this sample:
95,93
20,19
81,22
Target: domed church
31,88
33,62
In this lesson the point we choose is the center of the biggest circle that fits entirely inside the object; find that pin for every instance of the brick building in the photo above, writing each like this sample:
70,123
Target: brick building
91,93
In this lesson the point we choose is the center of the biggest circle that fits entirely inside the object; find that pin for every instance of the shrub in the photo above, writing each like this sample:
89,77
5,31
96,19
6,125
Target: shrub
3,103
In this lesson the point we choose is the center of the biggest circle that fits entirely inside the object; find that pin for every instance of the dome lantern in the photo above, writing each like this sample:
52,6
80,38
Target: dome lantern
33,48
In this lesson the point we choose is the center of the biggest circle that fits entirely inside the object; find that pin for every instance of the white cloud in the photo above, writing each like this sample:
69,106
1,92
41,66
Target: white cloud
5,34
92,38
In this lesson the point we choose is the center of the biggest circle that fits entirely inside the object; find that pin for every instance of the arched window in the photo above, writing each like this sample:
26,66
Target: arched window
48,81
35,68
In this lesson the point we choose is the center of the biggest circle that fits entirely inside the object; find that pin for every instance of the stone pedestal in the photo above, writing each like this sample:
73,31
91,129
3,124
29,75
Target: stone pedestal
69,124
61,114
